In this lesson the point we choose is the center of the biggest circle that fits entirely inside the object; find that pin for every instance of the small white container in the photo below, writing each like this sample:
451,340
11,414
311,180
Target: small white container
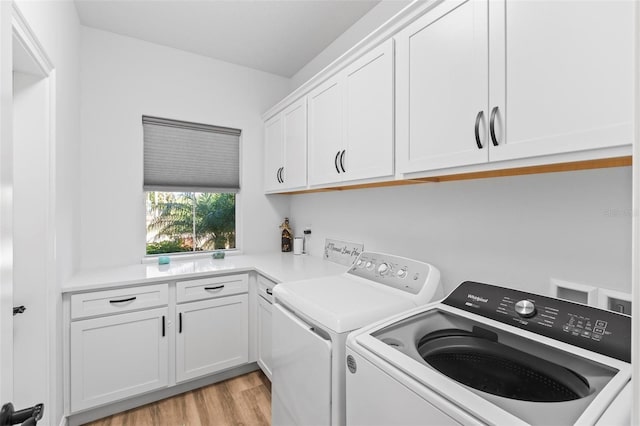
297,245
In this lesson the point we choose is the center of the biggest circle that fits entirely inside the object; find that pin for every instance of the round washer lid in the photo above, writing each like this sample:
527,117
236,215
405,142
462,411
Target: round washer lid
342,303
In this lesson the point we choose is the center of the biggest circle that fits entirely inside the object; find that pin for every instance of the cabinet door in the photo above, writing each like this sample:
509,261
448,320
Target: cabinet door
325,133
368,115
294,120
273,158
561,76
442,88
117,357
264,336
212,335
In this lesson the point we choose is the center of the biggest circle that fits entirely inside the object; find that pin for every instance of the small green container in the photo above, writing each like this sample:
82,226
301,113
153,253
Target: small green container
164,260
218,254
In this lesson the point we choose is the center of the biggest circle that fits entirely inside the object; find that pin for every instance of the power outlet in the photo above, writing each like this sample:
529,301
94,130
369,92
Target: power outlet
615,301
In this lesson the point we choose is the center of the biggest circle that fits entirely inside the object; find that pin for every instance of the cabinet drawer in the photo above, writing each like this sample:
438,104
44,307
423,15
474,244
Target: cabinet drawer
120,300
265,288
207,288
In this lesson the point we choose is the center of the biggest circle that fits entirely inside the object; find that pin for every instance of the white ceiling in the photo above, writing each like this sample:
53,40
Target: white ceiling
276,36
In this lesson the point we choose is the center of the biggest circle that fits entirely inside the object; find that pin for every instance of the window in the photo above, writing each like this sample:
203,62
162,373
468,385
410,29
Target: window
190,221
191,177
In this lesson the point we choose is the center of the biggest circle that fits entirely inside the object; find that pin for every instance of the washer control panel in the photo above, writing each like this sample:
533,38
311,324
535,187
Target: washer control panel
597,330
399,272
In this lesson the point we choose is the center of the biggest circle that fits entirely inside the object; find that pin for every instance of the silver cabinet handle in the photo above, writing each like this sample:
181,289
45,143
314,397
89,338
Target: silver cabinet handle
342,160
477,129
492,126
335,161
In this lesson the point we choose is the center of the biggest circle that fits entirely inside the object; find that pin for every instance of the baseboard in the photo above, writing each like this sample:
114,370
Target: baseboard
127,404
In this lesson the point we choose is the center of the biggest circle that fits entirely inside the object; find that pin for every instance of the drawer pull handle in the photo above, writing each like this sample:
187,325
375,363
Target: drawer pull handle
163,326
180,322
269,291
335,161
123,300
218,287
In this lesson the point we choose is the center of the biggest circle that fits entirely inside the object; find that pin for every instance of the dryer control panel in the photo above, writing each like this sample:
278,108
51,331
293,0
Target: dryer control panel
597,330
395,271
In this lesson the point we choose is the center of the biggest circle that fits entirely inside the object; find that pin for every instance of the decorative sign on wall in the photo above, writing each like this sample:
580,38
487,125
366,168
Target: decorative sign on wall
342,252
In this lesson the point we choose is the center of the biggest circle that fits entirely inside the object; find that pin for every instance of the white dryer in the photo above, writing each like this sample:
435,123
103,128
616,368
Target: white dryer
311,321
491,355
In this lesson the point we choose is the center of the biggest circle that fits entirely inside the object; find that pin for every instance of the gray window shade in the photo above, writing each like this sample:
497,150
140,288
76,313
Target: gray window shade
190,157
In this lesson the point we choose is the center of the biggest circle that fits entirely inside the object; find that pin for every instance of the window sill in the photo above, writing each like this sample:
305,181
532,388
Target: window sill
153,258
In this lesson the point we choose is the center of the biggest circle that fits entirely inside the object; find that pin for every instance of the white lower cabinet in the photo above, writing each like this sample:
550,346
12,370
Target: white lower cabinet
122,342
264,336
118,356
212,335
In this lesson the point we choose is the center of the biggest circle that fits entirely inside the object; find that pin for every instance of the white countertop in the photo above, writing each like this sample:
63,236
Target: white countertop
279,267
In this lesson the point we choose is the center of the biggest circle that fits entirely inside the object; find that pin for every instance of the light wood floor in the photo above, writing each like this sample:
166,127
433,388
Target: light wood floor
243,400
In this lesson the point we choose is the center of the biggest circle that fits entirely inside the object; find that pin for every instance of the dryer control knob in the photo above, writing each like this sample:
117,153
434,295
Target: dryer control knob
383,269
525,308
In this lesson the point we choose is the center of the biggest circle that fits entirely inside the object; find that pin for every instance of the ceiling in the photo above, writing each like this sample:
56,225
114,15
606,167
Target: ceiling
276,36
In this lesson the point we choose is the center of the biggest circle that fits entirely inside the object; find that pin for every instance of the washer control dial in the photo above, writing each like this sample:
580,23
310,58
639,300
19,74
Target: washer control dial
369,265
401,273
525,308
383,268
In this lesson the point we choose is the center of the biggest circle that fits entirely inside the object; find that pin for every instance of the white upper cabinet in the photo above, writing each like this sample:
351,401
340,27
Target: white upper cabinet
286,148
368,115
561,76
325,132
442,88
273,155
496,80
351,121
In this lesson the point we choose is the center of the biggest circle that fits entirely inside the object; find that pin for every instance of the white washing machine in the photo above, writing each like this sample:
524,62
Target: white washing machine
311,321
491,355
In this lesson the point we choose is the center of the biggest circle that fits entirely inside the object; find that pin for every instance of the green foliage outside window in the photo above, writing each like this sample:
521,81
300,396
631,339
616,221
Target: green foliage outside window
188,221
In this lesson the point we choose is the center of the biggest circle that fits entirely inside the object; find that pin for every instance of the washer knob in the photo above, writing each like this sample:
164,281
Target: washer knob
525,308
401,273
360,263
369,265
383,269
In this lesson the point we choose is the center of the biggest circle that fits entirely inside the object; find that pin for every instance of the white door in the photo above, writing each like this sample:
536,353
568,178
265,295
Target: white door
325,133
118,356
368,115
561,76
212,335
301,386
264,336
442,88
273,158
294,123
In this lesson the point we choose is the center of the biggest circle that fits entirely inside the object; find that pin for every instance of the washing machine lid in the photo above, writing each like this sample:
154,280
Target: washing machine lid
342,303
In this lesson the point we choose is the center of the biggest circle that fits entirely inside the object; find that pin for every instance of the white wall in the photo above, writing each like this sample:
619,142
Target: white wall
124,78
514,231
57,27
377,16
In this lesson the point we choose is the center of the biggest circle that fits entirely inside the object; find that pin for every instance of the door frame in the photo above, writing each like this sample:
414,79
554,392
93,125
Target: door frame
33,59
